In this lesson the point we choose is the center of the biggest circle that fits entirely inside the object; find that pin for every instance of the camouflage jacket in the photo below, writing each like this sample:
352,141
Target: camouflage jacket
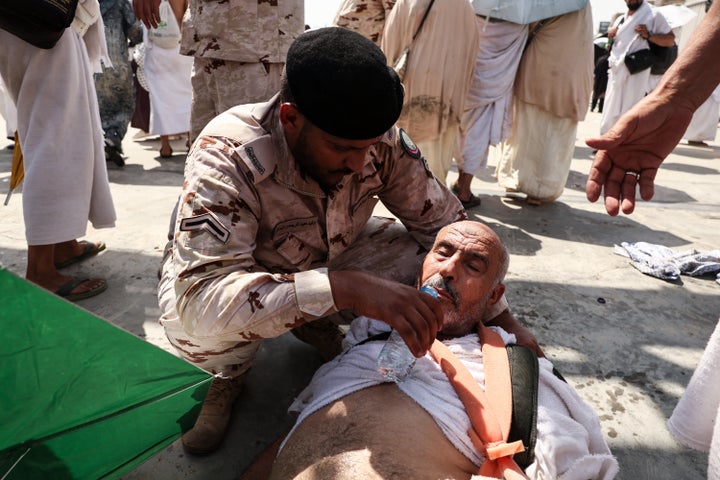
242,30
249,220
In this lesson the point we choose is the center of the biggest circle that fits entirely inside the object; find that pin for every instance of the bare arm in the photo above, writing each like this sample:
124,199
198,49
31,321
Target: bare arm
147,11
646,134
522,335
661,39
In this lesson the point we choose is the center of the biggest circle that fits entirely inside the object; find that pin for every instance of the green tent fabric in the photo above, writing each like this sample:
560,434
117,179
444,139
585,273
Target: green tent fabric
79,397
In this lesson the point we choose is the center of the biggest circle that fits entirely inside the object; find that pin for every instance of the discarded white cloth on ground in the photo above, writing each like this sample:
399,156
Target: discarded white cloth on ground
570,444
668,264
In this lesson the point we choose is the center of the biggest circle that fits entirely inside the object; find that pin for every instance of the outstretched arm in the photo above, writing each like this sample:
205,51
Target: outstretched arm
630,153
522,335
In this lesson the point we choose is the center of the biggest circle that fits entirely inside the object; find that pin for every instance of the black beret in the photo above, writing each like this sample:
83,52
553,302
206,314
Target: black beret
341,82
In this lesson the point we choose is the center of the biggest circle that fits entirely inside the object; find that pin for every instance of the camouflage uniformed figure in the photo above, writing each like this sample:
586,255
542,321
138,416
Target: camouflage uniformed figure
367,17
239,49
255,237
275,228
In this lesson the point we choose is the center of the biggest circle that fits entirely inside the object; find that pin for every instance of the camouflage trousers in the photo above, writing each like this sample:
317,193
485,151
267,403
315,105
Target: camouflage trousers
384,248
221,84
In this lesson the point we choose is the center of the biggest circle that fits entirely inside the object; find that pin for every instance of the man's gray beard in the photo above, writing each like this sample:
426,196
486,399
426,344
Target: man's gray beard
462,325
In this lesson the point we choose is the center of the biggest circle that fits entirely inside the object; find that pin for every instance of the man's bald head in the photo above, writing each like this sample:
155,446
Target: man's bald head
467,265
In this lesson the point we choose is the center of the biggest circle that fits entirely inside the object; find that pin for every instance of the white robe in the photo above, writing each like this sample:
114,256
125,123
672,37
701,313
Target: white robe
569,443
439,71
487,118
8,111
704,123
625,90
58,123
695,422
536,158
168,77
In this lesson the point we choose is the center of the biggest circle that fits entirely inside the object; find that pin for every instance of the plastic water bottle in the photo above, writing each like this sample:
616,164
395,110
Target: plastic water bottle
396,360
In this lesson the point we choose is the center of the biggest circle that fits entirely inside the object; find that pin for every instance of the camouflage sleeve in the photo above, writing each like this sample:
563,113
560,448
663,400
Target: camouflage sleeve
412,193
221,291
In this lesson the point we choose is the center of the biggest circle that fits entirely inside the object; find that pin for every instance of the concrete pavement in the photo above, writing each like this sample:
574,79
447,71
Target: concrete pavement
627,342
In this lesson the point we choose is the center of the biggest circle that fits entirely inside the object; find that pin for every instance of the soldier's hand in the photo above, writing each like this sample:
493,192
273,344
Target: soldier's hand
416,316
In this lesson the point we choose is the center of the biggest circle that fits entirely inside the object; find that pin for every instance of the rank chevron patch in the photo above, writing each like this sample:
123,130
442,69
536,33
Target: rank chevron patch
208,222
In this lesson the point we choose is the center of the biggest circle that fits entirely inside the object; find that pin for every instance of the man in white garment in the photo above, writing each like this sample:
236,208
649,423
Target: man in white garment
704,124
640,26
439,71
66,183
487,118
355,424
536,158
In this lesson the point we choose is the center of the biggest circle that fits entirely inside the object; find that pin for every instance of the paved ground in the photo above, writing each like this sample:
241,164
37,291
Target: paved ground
626,341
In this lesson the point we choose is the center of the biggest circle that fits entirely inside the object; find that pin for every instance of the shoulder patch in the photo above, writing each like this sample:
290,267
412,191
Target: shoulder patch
408,145
258,156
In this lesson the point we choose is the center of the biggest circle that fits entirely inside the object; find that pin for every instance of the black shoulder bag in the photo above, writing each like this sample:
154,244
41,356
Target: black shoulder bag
39,22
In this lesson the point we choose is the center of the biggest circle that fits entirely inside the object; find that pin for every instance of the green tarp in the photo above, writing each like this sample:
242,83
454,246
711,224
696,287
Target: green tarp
79,397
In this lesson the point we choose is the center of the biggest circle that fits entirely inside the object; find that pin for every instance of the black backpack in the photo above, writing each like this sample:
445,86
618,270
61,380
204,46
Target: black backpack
663,57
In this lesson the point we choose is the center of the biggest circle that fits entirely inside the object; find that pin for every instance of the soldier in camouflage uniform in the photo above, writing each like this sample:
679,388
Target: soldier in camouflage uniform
275,230
239,49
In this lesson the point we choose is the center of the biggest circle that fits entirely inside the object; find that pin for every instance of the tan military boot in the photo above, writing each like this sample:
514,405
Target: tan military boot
210,427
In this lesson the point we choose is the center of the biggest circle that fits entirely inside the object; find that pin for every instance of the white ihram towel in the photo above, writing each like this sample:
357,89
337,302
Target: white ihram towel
695,422
569,445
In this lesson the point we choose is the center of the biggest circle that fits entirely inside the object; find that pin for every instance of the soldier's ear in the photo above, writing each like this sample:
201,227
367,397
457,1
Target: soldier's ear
291,118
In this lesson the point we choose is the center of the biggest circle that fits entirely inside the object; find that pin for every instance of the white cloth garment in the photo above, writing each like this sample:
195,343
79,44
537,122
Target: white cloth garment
625,90
536,158
8,111
704,123
66,181
695,422
438,152
168,77
569,444
88,23
668,264
487,117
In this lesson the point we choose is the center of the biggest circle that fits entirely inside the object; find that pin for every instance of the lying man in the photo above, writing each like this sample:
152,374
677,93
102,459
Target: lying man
355,424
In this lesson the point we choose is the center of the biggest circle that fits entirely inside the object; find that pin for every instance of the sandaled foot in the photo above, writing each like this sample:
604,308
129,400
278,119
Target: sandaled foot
166,152
89,249
78,288
472,201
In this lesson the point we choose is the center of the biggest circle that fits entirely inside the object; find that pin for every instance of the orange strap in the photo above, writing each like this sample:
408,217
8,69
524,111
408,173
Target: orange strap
490,411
